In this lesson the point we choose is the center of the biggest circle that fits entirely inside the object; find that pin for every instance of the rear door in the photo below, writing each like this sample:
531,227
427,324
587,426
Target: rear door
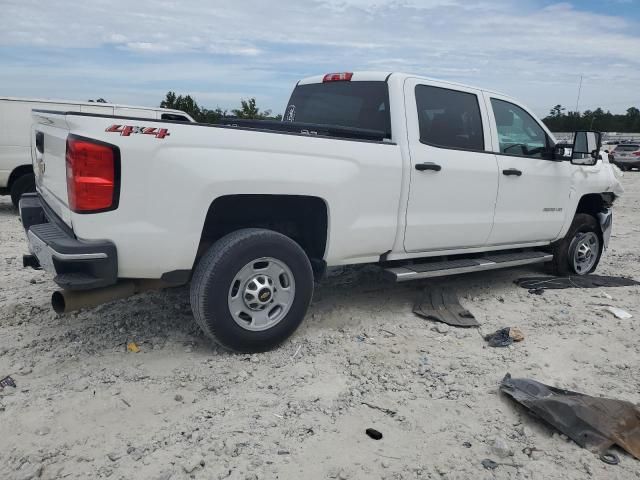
534,189
454,174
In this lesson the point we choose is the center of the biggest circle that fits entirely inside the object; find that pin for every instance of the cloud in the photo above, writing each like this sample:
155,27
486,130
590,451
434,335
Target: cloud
252,47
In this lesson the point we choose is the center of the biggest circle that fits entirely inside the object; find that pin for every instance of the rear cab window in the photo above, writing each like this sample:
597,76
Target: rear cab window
351,104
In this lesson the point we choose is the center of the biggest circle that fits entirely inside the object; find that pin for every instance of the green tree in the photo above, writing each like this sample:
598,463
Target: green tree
188,104
557,111
249,109
185,103
560,121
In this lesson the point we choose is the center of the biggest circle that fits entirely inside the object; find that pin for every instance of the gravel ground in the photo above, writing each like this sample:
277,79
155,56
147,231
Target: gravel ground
85,407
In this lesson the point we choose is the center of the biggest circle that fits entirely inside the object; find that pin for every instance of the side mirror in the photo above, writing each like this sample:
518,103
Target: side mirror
586,147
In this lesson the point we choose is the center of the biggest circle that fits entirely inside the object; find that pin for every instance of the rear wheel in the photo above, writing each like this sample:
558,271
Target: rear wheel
24,184
251,290
579,252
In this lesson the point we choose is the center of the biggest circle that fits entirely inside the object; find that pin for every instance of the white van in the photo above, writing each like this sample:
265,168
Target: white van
16,171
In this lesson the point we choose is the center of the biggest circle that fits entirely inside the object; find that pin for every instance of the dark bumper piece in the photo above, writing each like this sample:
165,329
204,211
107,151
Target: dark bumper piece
31,211
75,264
31,261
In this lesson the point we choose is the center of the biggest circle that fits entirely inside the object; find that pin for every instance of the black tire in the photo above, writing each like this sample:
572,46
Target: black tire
563,250
24,184
212,281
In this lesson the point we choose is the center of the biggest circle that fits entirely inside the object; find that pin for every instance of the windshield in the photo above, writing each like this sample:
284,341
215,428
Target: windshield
346,104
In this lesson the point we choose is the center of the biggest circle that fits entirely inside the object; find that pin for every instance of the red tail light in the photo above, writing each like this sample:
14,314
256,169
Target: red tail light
637,154
93,175
337,77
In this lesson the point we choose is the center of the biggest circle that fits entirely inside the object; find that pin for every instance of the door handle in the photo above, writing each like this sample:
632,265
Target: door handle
428,166
512,171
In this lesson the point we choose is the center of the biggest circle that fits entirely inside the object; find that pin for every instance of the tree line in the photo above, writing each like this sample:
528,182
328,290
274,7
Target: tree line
186,103
559,120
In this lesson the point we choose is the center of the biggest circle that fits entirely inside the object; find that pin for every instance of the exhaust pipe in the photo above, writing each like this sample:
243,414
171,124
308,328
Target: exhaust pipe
65,301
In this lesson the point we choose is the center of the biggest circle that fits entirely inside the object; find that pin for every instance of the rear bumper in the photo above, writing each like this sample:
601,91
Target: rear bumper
626,162
75,264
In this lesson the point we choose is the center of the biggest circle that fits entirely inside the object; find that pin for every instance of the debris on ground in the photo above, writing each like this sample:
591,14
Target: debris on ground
133,347
373,433
575,281
618,312
443,306
7,382
388,411
489,464
592,422
504,337
492,465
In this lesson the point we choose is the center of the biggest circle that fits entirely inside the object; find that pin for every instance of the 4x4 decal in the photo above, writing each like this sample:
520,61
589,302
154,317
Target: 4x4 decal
128,130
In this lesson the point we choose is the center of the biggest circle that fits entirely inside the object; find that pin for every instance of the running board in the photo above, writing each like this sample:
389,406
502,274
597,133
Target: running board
440,268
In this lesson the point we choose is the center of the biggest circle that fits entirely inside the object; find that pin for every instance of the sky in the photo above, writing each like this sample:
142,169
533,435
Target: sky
133,52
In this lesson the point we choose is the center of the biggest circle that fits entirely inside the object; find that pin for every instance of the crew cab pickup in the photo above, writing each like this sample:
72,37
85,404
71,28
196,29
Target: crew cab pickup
424,178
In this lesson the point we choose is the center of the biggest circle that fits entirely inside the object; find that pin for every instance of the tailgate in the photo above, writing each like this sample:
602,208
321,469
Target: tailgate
48,149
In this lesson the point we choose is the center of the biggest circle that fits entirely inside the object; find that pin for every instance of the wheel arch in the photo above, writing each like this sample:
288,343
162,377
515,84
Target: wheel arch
305,219
594,203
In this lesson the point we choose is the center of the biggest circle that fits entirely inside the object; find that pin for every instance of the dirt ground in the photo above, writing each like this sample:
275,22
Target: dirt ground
85,407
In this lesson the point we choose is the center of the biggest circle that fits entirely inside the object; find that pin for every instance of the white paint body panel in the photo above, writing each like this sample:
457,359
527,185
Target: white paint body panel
377,203
16,121
451,208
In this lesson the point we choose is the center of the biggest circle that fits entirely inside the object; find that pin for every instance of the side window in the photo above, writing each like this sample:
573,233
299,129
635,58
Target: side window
518,132
174,117
449,118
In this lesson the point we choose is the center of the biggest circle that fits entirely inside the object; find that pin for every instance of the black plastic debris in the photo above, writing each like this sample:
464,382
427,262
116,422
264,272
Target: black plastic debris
7,382
373,433
499,338
593,423
489,464
581,281
443,306
504,337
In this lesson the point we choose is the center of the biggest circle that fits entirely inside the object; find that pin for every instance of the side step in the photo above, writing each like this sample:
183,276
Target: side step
490,261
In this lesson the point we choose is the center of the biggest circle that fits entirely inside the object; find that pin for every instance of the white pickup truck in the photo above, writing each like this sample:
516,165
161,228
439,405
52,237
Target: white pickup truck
424,178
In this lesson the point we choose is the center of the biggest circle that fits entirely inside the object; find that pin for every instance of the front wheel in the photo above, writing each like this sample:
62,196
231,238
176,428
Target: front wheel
251,290
579,252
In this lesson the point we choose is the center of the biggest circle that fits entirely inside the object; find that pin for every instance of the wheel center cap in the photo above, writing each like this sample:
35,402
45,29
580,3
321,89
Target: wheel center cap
264,295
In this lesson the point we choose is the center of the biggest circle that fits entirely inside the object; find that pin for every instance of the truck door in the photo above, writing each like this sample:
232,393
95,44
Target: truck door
454,173
534,189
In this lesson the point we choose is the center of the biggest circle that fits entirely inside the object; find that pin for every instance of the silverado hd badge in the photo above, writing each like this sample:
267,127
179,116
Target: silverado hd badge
128,130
